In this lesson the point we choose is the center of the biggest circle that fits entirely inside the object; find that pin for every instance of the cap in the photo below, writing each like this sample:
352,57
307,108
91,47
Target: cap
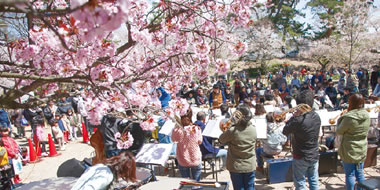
215,86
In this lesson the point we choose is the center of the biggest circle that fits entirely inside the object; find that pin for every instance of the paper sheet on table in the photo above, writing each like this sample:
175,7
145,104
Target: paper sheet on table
212,128
261,127
156,154
377,103
167,128
269,108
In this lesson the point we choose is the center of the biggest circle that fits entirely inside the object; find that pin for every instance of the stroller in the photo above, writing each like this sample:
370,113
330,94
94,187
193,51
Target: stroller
6,175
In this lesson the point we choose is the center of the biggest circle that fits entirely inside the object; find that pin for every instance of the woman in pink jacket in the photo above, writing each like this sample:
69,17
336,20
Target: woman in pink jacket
188,138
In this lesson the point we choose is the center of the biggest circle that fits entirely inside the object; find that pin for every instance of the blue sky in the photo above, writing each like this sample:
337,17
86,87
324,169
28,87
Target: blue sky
309,15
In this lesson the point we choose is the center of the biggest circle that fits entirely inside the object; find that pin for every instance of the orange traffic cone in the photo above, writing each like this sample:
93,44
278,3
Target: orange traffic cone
84,133
32,153
37,144
52,150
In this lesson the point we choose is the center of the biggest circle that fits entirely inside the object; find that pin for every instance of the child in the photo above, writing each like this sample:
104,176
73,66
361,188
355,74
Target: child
12,148
61,124
74,123
58,134
275,139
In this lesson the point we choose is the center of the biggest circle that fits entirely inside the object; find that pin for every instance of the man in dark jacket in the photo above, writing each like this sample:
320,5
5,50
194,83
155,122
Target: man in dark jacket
64,105
305,130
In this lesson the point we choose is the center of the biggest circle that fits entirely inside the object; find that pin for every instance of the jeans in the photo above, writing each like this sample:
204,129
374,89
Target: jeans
302,169
243,181
353,171
194,170
222,153
259,152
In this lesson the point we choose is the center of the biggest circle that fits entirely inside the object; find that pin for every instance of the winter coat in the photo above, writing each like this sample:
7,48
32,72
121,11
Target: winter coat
305,129
353,126
241,156
4,119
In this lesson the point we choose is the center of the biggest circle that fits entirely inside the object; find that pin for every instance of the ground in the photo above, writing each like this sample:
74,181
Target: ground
47,168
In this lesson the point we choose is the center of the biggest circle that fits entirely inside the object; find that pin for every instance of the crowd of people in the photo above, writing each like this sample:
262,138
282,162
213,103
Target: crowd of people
284,90
62,120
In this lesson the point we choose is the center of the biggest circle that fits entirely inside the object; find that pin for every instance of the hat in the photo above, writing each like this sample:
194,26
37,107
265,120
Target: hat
215,86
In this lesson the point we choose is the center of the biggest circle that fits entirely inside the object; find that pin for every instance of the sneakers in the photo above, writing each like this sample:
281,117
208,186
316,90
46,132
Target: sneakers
17,179
62,148
44,154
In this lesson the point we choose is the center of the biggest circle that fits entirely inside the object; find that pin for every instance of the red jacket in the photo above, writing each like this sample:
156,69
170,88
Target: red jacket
11,146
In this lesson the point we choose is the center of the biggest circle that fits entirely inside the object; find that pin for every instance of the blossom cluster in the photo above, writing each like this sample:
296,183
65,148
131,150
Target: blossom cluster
165,45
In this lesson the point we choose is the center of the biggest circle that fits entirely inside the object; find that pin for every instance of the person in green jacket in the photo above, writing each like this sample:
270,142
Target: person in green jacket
241,156
353,128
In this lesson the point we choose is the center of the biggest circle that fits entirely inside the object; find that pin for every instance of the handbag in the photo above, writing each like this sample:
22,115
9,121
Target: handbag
23,122
17,165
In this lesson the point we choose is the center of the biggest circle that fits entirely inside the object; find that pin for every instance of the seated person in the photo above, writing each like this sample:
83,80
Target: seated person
102,176
289,103
229,96
269,100
201,98
206,147
224,110
190,97
217,97
273,144
332,93
284,91
346,95
364,91
243,95
259,111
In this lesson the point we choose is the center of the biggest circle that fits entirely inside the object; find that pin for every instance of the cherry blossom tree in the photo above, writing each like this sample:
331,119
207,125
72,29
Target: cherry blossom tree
352,24
72,42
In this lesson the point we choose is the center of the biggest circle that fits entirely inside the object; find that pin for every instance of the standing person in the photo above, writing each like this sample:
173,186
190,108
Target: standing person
353,127
304,126
163,96
241,157
64,105
75,123
221,83
83,112
49,111
17,115
374,75
5,121
189,155
237,89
